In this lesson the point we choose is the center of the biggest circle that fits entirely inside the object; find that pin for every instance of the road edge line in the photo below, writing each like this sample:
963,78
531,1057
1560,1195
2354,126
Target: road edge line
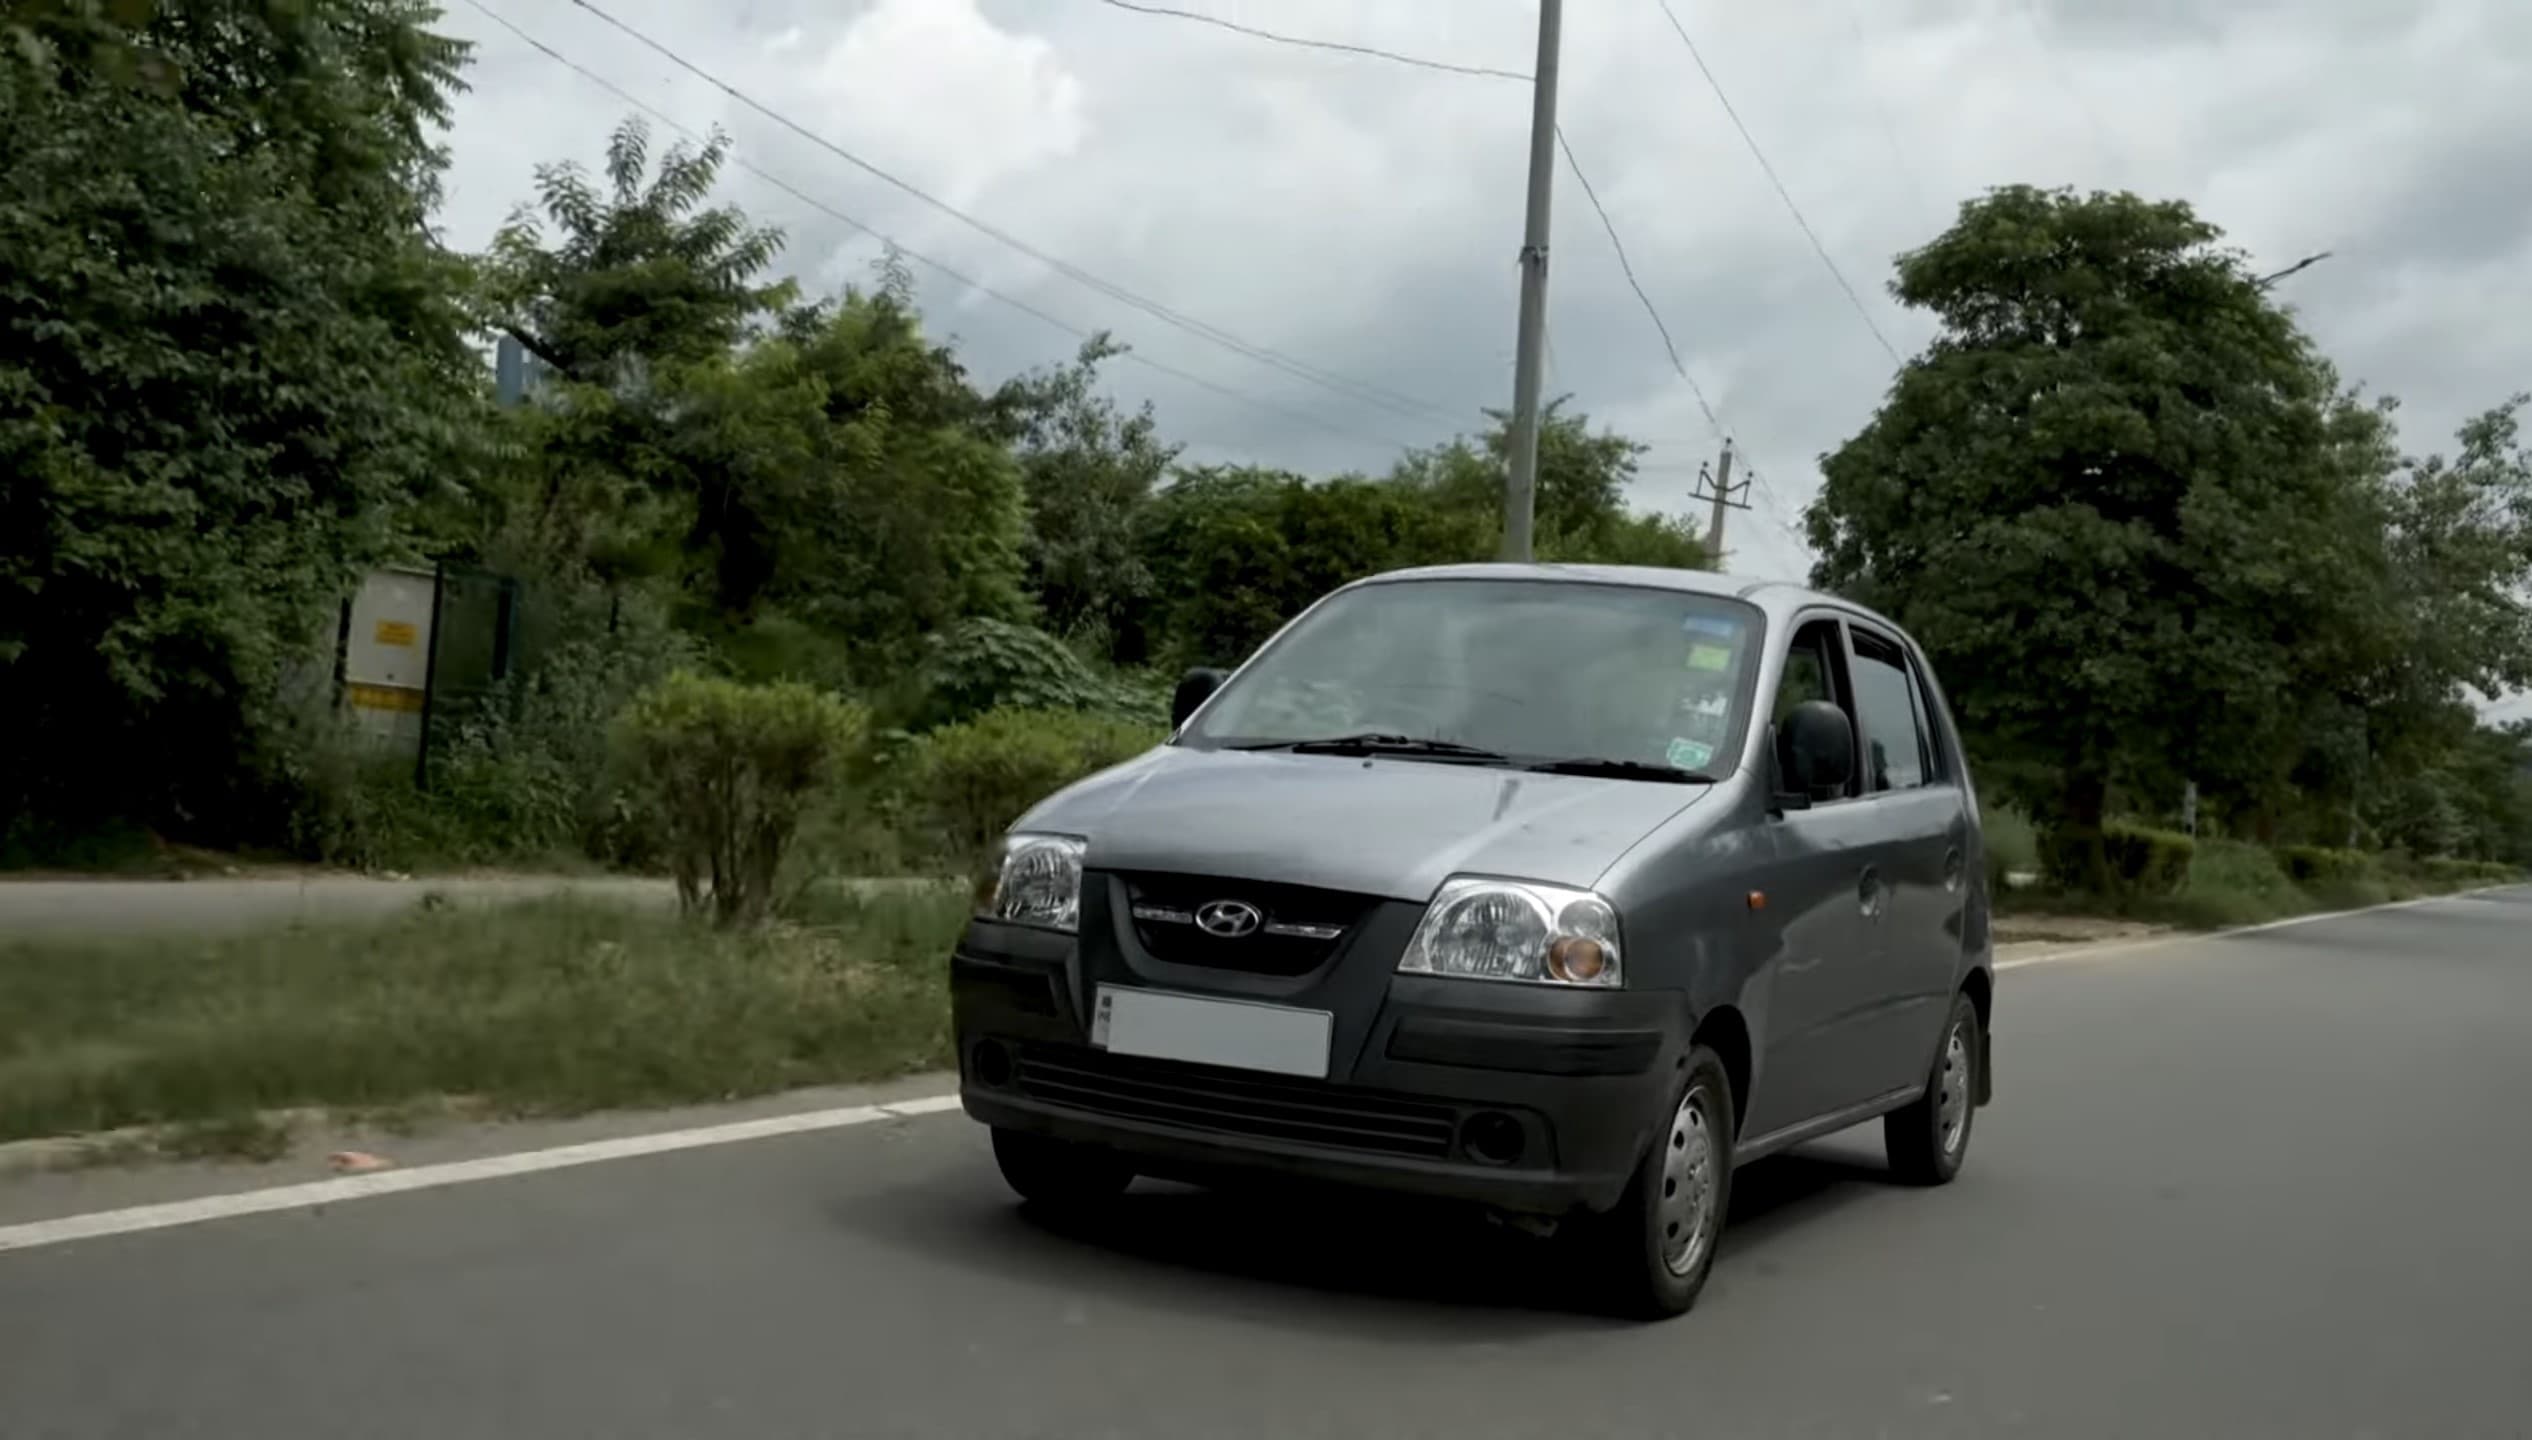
341,1189
2098,949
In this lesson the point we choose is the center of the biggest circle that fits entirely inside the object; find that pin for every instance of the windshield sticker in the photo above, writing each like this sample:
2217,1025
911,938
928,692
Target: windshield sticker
1715,625
1709,657
1686,754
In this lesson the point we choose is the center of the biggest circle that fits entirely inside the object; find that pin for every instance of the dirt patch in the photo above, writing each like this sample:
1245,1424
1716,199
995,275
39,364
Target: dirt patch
2068,929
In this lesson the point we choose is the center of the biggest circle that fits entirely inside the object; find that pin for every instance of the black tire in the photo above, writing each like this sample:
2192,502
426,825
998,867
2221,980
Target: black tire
1058,1174
1925,1147
1636,1252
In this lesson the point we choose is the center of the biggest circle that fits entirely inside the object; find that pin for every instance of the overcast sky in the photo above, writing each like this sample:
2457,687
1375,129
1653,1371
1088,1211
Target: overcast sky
1363,218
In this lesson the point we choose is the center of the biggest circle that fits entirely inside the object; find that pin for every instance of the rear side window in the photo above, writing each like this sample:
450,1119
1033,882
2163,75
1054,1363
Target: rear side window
1897,754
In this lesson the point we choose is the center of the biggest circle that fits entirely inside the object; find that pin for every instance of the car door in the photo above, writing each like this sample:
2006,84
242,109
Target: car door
1917,850
1820,982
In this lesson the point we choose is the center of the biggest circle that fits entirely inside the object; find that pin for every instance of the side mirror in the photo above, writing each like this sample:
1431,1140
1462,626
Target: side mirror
1194,688
1815,751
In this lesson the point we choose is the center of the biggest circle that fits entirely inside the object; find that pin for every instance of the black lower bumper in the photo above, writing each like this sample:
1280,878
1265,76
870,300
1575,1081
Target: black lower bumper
1509,1096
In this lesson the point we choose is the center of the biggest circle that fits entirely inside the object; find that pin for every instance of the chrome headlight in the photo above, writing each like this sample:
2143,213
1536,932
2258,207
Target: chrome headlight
1516,930
1039,882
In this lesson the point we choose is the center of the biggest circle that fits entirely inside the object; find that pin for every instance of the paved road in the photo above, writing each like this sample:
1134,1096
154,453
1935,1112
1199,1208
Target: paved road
2266,1185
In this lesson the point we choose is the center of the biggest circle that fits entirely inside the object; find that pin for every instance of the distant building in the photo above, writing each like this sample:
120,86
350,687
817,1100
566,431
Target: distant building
516,374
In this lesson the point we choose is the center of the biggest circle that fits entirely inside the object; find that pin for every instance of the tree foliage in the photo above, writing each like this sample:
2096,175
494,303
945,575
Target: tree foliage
604,283
2149,534
2151,539
2120,496
233,370
1088,469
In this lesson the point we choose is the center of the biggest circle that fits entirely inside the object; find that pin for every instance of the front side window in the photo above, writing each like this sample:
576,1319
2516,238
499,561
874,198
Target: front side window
1896,753
1532,670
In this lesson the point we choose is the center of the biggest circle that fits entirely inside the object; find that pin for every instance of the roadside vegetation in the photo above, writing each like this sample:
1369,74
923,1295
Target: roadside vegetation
543,1008
2207,883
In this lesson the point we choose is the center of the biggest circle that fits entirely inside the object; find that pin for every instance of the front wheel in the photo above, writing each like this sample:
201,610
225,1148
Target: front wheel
1929,1138
1657,1247
1058,1174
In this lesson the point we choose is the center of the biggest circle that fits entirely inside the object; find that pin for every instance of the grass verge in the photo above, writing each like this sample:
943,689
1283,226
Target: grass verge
2231,883
544,1008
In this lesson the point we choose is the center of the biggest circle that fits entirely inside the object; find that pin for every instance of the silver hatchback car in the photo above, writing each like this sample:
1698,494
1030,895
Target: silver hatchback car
1561,890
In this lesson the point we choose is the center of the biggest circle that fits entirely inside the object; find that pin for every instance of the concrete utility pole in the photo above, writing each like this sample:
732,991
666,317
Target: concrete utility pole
1722,505
1520,491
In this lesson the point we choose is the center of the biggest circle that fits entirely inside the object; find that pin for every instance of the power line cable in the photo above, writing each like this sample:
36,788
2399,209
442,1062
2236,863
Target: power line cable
1628,270
1773,179
1129,354
1358,390
1572,163
1757,478
1367,50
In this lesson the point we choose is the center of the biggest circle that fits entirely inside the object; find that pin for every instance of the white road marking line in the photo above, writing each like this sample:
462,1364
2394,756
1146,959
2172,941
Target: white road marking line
2089,952
928,1105
460,1172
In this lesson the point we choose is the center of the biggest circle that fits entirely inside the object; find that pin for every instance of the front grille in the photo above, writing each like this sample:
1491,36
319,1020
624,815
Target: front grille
1230,1102
1302,926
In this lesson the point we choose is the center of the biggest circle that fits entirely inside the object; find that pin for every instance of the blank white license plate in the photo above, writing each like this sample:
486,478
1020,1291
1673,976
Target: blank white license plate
1239,1033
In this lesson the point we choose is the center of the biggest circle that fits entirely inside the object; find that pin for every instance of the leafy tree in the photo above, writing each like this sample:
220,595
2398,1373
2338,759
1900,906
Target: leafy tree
233,372
1088,470
823,483
639,274
851,479
2123,502
1236,551
1580,505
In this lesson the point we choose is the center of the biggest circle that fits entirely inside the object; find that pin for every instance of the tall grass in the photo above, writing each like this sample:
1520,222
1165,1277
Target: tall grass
548,1007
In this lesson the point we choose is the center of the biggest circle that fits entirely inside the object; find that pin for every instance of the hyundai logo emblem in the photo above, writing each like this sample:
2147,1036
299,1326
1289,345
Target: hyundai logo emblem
1228,919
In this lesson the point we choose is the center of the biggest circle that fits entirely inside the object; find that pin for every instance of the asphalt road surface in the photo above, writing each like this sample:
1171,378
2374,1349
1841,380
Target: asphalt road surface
2272,1184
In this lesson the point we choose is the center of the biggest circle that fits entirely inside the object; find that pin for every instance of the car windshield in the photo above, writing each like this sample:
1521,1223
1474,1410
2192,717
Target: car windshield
1531,670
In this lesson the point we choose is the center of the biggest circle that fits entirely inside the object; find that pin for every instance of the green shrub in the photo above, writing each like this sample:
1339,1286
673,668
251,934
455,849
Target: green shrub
727,772
2451,872
2338,879
519,773
2231,882
2117,860
2311,865
962,785
2012,845
982,664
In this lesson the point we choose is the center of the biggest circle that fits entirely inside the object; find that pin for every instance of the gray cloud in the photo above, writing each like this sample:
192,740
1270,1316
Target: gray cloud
1364,217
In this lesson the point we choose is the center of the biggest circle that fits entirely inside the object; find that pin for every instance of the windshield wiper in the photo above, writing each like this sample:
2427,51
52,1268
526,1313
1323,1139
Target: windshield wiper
1622,770
1375,743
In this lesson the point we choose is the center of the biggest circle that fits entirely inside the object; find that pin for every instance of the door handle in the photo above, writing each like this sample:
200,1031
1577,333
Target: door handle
1954,869
1869,892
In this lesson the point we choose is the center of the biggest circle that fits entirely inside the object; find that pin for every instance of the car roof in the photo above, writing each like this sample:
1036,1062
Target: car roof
1777,598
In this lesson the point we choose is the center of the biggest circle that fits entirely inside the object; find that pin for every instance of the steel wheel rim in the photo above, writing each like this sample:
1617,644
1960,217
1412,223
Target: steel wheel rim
1952,1104
1687,1211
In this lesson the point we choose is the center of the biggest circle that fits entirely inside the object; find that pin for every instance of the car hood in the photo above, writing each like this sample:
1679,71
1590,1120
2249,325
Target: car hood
1381,826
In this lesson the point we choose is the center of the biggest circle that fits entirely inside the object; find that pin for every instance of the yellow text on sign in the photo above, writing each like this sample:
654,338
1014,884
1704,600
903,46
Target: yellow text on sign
404,699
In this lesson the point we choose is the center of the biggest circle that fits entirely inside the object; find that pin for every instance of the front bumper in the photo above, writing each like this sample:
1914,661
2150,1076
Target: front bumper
1518,1097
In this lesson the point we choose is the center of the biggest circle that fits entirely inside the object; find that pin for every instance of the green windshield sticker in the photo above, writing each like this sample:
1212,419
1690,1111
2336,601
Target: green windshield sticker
1709,657
1688,754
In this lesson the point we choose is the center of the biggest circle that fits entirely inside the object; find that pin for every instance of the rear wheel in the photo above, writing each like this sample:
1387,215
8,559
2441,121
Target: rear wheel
1058,1174
1928,1140
1656,1248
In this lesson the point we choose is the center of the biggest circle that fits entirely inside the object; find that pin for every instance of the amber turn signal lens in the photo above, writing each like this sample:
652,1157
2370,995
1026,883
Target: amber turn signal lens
1577,959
